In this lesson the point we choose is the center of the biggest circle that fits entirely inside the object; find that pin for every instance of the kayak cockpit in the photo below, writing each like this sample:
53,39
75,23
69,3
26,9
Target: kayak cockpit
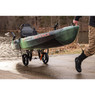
26,30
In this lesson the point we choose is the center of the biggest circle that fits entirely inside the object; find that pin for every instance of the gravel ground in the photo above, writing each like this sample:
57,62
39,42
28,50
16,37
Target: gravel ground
5,48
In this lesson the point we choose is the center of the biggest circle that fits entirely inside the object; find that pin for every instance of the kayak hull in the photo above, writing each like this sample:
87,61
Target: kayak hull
51,39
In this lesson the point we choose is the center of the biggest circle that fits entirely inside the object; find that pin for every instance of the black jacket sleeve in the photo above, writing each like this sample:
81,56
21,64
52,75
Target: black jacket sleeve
77,18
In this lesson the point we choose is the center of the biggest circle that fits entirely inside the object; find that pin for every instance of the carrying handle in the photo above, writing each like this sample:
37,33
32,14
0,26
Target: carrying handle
55,26
73,24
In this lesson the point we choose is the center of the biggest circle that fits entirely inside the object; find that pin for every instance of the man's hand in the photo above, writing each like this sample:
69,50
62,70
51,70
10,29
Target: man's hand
75,22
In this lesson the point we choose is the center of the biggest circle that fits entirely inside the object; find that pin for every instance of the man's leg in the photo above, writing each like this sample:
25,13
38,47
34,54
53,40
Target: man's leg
88,51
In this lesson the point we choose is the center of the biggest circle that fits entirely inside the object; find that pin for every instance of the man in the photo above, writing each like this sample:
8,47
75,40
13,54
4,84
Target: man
90,50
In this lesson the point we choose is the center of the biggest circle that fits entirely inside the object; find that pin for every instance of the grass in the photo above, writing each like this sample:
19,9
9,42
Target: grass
76,50
68,51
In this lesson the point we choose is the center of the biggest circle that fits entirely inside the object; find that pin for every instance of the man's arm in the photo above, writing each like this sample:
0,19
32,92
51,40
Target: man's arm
76,19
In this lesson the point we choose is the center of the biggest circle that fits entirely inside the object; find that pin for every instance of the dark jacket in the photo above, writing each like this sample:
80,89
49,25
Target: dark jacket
91,22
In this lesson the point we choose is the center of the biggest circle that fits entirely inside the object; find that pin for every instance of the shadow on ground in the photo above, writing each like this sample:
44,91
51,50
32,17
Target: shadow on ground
34,72
43,71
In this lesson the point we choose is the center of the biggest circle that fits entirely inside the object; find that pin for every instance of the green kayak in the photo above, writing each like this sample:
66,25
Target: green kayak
51,39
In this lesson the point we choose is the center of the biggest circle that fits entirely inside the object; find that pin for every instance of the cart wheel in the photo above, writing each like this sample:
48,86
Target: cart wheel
25,59
45,58
39,54
30,56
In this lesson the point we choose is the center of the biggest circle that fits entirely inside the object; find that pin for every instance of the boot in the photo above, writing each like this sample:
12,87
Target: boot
78,61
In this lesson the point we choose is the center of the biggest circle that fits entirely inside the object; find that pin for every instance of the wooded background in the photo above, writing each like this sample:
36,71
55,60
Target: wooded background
44,24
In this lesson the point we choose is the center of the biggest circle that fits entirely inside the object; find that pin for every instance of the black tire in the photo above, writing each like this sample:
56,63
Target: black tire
25,59
39,54
45,58
30,56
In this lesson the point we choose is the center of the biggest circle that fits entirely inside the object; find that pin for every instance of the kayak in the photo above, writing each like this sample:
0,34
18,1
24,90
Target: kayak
51,39
56,38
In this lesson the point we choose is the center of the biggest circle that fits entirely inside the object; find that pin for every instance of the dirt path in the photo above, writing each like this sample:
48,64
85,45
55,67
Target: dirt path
59,67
